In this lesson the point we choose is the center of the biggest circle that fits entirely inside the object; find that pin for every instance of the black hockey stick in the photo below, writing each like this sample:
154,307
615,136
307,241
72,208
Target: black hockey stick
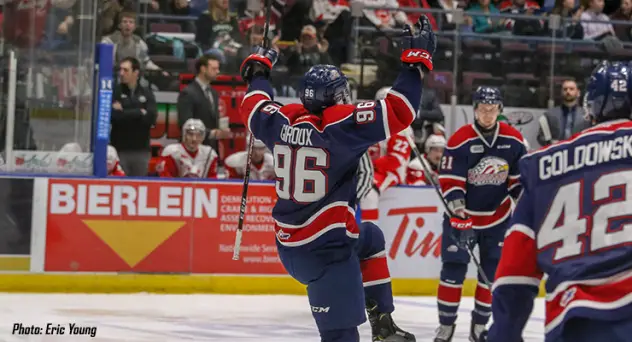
427,170
244,193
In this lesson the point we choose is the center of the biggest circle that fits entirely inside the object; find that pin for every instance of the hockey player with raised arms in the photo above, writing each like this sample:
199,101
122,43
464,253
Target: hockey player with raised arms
574,224
479,179
316,147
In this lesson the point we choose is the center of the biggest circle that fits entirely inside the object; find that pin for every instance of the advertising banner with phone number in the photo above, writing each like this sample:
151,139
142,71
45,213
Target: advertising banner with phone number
182,227
157,227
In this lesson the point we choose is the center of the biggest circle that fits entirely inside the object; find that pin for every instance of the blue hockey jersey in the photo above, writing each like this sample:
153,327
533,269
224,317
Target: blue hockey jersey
316,156
483,171
574,224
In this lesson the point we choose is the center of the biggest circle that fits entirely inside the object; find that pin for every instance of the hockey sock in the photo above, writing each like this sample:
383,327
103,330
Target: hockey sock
341,335
482,304
377,282
449,292
375,274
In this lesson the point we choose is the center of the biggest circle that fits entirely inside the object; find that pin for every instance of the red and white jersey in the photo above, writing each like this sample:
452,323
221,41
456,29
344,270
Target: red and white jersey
114,168
177,161
236,164
416,174
392,164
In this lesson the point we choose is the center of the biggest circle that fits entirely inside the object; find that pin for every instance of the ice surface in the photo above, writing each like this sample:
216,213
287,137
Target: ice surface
166,318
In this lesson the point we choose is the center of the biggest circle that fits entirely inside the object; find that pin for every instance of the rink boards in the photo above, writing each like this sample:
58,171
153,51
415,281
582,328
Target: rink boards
148,235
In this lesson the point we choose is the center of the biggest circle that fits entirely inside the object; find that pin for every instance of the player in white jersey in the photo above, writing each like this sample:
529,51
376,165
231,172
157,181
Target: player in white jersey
262,163
189,158
434,146
390,162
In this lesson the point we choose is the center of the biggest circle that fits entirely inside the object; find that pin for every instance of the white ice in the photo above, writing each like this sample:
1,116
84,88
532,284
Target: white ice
166,318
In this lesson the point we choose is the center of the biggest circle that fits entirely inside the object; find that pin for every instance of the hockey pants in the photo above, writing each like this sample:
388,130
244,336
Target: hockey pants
455,261
340,272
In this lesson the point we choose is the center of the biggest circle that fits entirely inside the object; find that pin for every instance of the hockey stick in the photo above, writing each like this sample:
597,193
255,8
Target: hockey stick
427,170
244,193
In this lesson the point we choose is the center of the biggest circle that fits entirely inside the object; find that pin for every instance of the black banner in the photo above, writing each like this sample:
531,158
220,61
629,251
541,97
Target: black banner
16,208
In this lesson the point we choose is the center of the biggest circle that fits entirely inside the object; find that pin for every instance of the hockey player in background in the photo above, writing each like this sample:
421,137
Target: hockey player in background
316,147
434,146
189,158
114,168
262,163
574,224
479,179
390,162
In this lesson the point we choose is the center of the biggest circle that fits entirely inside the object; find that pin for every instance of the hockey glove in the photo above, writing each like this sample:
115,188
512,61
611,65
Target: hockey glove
419,46
464,234
259,63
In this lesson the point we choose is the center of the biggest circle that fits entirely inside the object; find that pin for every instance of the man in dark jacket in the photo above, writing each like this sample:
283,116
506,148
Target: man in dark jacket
562,122
133,114
200,101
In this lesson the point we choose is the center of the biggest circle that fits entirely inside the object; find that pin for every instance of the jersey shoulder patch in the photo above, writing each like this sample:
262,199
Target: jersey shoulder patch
508,131
234,160
462,136
171,149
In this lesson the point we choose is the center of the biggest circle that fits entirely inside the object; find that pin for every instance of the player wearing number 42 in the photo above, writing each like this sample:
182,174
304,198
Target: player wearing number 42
316,148
478,175
575,227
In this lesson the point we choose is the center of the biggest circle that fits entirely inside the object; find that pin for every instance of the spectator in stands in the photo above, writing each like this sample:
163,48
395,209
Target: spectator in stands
200,101
217,28
623,13
182,8
447,18
384,18
189,158
430,119
600,27
334,18
565,120
571,26
109,16
134,112
127,44
485,23
24,22
522,27
59,25
307,52
262,166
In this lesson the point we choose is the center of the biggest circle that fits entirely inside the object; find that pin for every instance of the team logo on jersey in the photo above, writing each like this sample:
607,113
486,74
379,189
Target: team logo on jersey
489,171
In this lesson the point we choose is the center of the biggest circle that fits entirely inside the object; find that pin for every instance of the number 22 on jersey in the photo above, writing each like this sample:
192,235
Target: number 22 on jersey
566,238
301,173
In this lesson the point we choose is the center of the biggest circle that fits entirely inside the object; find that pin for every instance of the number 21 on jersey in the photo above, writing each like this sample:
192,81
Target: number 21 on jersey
567,205
301,173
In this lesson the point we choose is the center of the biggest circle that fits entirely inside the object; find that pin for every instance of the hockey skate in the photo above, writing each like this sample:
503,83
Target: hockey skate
445,333
384,329
476,330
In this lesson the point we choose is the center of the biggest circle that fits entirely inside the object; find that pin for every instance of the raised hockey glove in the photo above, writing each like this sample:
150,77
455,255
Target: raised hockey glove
259,63
464,234
419,46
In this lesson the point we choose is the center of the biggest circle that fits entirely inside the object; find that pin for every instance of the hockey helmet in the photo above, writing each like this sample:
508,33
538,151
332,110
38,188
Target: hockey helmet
607,95
323,86
433,141
194,125
488,95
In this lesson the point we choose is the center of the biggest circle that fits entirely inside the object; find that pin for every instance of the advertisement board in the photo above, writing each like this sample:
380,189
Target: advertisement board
157,227
183,227
411,219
